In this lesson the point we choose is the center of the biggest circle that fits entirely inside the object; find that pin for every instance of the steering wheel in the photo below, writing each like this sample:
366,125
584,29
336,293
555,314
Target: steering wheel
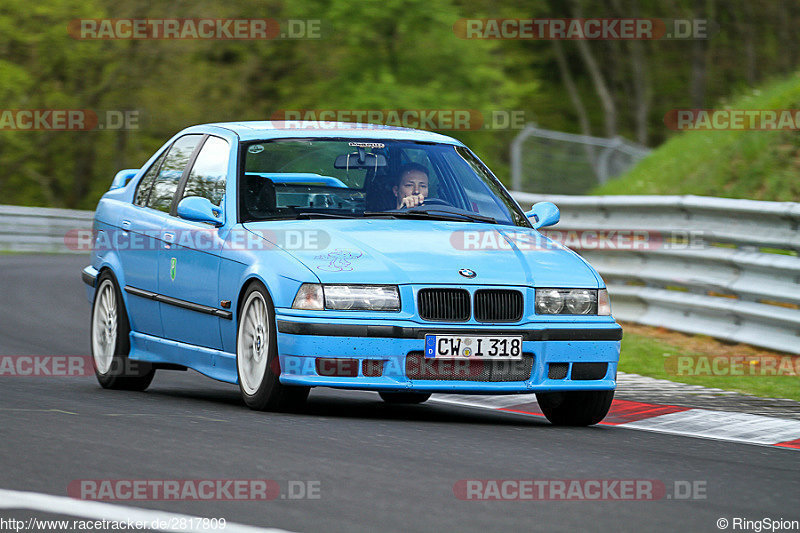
436,201
426,203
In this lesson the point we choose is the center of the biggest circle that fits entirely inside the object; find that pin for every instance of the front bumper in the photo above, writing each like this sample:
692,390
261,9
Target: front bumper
302,340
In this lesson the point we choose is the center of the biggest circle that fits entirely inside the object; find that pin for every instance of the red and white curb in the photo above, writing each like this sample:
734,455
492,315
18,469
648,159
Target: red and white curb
673,419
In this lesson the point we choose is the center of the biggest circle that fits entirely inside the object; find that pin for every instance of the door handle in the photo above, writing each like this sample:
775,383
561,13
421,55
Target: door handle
126,226
169,239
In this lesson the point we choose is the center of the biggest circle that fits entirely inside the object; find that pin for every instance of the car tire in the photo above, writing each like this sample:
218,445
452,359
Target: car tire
404,397
110,340
257,360
575,408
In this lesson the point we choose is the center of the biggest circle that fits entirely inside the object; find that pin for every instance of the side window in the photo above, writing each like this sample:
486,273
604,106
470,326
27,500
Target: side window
146,183
208,175
171,171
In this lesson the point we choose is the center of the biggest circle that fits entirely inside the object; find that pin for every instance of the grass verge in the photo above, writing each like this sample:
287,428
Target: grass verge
663,354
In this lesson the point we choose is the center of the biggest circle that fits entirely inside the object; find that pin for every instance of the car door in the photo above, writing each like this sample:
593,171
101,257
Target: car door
141,223
189,258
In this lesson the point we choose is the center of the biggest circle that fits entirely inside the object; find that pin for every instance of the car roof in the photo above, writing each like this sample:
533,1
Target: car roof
257,130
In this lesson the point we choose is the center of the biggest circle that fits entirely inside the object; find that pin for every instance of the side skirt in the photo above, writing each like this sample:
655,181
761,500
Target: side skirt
215,364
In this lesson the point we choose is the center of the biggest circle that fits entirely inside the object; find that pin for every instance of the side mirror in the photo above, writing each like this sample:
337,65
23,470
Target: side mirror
543,214
200,209
122,178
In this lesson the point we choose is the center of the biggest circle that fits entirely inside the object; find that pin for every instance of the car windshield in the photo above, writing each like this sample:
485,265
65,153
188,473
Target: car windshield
333,178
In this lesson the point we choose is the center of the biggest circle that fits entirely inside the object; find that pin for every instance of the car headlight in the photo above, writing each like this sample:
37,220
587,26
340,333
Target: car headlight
581,302
347,297
572,302
549,301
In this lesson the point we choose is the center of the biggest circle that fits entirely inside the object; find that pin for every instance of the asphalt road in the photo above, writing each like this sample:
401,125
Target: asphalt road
379,467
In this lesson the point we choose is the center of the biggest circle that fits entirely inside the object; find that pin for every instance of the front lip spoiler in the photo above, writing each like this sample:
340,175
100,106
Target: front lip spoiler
400,332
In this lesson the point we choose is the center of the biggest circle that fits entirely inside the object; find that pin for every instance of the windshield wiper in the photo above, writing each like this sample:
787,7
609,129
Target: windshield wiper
438,214
309,215
301,216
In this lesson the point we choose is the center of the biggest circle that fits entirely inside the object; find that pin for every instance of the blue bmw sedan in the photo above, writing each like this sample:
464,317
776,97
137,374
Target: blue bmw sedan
282,256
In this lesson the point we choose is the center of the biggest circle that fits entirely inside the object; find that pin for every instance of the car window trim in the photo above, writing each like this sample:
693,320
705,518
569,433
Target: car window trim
166,154
240,155
173,208
160,162
190,166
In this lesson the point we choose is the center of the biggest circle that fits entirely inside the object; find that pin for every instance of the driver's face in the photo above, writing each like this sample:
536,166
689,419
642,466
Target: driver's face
412,183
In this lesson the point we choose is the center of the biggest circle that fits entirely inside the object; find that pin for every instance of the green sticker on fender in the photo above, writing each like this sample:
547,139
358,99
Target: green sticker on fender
173,263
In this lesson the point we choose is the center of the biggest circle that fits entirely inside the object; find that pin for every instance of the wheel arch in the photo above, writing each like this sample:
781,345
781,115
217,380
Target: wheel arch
110,263
248,281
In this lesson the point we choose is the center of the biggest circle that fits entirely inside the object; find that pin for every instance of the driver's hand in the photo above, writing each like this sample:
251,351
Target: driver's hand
412,201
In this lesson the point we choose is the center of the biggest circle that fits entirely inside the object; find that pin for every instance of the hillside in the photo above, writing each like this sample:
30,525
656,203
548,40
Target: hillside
761,165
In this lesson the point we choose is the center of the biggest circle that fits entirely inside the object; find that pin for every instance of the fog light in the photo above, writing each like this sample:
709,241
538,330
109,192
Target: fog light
372,368
337,367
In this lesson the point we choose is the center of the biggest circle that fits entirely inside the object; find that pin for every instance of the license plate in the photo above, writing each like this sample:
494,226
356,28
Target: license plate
505,347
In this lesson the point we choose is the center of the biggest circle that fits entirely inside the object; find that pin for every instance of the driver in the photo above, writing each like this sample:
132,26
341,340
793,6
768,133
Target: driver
412,186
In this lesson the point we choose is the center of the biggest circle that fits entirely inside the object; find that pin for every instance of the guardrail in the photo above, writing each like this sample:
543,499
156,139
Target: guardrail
720,267
724,268
39,229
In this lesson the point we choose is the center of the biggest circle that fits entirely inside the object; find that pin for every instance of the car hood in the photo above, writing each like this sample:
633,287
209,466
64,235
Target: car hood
426,252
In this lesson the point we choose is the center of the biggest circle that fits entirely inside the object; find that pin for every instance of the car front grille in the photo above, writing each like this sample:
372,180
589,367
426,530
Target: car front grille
420,367
454,305
444,305
498,305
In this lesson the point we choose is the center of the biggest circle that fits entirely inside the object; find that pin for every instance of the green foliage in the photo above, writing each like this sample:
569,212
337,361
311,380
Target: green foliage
394,54
761,165
399,54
